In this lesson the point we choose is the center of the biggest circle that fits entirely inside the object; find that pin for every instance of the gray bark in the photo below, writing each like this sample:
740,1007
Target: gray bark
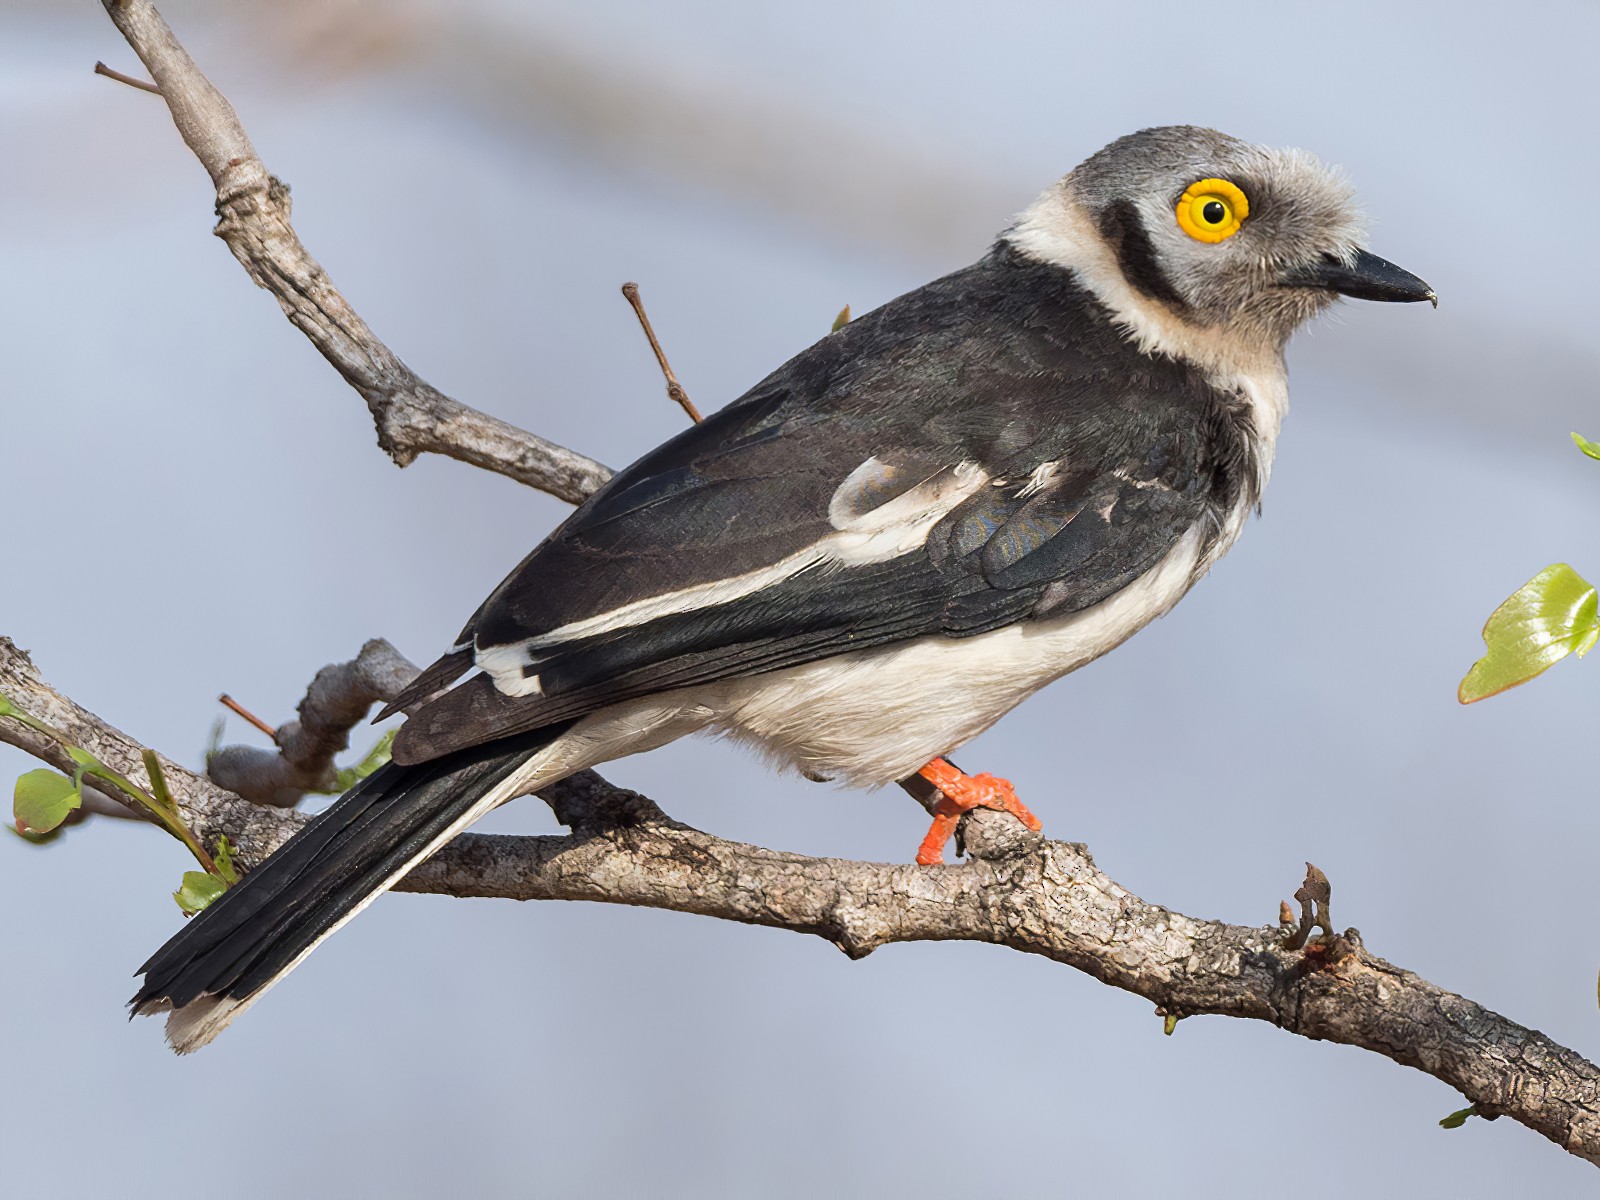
412,416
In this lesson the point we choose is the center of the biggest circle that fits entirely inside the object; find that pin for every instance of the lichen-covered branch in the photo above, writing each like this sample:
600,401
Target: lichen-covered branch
1017,890
411,415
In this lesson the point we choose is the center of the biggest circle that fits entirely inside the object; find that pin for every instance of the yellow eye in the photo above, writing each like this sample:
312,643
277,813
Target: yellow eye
1212,210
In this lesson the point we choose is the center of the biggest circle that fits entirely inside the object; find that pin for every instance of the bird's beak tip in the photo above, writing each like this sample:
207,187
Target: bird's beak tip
1367,277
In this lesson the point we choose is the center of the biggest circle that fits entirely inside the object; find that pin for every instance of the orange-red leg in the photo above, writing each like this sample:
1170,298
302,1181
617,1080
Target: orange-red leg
961,793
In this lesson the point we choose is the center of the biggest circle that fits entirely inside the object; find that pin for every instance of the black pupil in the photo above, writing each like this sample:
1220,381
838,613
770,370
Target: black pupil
1214,213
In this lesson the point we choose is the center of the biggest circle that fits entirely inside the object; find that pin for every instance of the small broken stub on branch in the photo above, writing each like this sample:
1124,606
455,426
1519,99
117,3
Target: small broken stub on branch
1329,948
1313,896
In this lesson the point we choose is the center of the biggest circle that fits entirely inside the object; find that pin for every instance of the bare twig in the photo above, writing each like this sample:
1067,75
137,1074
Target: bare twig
1019,890
239,710
412,417
675,390
101,69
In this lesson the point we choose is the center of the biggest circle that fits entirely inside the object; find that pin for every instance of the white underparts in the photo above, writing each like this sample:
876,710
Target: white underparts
847,718
888,531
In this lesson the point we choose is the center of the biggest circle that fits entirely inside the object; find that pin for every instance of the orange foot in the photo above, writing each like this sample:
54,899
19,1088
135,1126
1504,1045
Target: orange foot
962,793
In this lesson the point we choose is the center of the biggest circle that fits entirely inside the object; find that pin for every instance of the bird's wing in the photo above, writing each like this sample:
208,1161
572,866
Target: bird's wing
908,484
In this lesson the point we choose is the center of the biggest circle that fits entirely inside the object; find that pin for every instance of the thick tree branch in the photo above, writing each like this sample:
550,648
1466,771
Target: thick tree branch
411,415
1019,890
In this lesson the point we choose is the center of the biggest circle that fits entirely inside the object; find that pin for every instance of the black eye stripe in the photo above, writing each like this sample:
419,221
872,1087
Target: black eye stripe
1121,226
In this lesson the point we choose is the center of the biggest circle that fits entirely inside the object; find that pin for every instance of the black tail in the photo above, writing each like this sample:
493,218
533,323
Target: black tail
260,929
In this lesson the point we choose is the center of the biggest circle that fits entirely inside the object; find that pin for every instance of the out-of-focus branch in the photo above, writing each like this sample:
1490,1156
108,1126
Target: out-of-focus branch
338,698
412,416
1018,890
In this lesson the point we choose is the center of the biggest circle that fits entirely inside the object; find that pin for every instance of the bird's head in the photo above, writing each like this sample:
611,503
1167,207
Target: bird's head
1187,227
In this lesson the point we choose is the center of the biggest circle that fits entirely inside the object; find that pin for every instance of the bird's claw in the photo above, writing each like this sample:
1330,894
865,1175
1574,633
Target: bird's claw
960,794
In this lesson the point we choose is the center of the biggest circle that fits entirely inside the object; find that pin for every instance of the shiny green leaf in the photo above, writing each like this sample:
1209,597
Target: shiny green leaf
199,889
42,800
1592,449
1459,1118
1554,614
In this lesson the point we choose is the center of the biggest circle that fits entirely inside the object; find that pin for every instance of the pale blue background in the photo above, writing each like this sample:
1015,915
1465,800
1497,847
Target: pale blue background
193,503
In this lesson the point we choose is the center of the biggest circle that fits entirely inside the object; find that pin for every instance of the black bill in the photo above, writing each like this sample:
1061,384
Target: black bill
1367,278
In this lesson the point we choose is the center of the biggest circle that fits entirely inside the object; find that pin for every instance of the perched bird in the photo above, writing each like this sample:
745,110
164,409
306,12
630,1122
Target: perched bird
878,550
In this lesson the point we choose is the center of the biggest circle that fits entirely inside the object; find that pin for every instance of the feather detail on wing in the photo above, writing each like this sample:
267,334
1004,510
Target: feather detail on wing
918,473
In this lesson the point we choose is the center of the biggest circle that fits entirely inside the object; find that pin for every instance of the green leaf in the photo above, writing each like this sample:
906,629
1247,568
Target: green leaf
42,800
199,889
224,861
33,839
1592,449
7,709
1554,614
1459,1118
376,757
843,319
1169,1024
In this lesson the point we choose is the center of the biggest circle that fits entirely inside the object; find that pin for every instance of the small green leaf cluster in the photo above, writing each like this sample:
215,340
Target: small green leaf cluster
199,888
44,798
1554,614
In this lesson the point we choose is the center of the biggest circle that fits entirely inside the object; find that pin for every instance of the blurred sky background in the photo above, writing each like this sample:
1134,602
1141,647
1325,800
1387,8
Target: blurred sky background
194,503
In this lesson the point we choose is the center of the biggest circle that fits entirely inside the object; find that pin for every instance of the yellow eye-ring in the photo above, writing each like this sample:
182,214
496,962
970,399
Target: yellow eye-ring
1212,210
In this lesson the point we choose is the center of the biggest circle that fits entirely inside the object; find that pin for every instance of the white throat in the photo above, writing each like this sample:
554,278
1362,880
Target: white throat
1057,229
